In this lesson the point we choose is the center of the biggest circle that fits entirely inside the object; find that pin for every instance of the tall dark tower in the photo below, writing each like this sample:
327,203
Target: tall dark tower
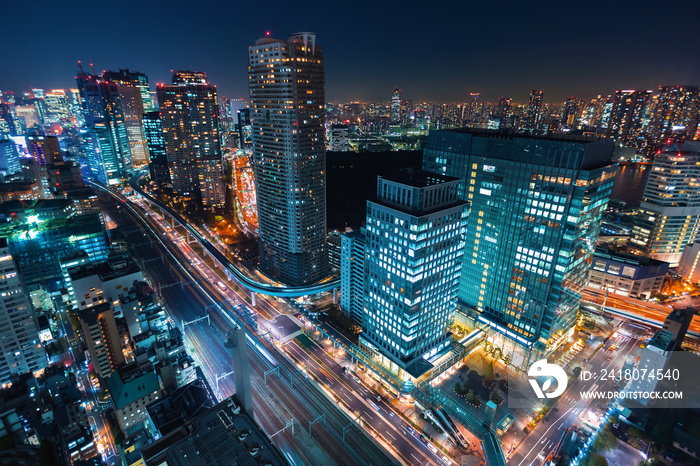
395,115
534,110
627,115
286,81
190,118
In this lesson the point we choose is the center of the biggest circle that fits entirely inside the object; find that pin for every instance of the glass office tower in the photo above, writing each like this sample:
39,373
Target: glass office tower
536,206
158,155
413,252
103,113
40,233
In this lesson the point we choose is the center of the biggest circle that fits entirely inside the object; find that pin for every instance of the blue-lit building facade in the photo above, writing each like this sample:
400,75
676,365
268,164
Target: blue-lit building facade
536,206
413,252
103,113
352,274
41,233
153,131
9,158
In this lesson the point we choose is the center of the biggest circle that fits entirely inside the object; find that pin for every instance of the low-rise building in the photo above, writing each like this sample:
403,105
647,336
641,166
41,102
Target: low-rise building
655,357
131,390
224,434
626,274
178,408
78,444
677,324
109,279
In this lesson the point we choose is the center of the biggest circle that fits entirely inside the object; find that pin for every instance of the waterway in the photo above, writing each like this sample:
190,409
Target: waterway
629,184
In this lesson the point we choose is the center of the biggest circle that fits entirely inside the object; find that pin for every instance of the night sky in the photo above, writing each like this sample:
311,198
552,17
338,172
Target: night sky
431,50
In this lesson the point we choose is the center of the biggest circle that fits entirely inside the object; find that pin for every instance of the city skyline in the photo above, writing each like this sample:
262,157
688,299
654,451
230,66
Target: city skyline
503,51
410,273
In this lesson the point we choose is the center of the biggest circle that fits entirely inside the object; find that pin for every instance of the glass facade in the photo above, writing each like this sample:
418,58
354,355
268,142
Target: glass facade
158,166
102,110
536,207
39,241
413,257
352,274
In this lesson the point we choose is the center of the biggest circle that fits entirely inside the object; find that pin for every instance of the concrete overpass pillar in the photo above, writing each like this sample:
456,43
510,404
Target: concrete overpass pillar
335,295
252,298
236,344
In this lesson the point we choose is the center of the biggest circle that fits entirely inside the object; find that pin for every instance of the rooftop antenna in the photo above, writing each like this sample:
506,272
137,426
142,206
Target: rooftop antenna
92,68
80,66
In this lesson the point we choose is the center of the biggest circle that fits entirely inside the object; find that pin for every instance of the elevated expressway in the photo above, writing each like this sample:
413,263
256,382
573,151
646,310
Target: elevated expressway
233,272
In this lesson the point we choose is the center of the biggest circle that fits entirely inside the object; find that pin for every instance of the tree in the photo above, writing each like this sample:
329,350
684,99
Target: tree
662,434
489,374
597,460
605,441
465,388
496,397
458,388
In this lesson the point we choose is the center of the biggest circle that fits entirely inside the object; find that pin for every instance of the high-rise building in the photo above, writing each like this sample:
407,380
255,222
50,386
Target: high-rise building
234,105
352,274
20,348
413,255
104,115
669,214
503,110
28,115
135,101
572,112
629,107
287,97
9,158
75,106
44,149
133,121
470,111
339,138
57,109
395,112
158,155
536,207
8,115
533,114
244,128
190,117
688,265
126,77
675,115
